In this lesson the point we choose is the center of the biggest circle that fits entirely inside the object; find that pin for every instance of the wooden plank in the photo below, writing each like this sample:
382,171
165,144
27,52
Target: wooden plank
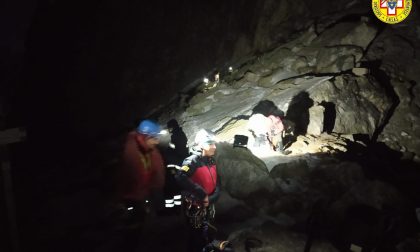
13,135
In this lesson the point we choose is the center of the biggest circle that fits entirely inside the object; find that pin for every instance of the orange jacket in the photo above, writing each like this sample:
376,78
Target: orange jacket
142,170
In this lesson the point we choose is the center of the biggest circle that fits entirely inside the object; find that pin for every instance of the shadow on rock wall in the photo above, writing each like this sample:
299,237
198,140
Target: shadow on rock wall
267,107
381,162
298,112
329,116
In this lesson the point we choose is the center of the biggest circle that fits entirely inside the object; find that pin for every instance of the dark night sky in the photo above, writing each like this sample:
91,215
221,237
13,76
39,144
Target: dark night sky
72,62
63,63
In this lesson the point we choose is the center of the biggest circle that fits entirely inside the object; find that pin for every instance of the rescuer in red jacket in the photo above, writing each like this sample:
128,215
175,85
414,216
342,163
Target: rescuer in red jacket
142,173
198,178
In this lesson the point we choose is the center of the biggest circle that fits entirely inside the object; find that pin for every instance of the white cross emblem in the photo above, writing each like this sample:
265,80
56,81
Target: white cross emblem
392,6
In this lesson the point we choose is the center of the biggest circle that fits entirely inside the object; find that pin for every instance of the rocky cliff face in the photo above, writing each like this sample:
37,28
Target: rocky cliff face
331,77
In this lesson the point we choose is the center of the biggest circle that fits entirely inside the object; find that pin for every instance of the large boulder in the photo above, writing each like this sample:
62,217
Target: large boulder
361,103
242,173
273,238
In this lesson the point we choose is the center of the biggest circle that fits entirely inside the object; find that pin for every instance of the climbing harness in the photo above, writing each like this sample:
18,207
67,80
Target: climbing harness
198,215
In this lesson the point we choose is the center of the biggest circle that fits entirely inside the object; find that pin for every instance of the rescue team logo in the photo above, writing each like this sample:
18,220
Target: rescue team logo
391,11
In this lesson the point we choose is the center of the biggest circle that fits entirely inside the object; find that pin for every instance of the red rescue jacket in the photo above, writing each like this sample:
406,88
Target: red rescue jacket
198,176
142,169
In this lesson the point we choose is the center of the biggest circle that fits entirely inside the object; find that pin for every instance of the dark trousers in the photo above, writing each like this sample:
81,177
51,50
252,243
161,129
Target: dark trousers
132,221
135,212
197,239
200,236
